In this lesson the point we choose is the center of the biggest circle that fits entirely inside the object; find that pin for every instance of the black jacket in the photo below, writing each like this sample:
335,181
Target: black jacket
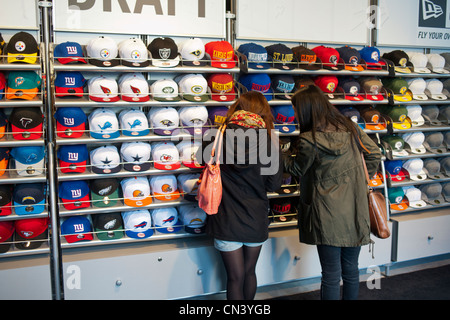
243,212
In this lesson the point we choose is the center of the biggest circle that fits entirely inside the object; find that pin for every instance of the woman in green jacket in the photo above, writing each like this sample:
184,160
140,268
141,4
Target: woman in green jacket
333,207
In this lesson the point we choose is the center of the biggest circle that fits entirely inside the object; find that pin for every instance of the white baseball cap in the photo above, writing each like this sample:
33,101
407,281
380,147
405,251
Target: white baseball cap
415,141
435,88
415,114
192,52
165,90
133,53
434,142
136,191
432,193
134,87
103,52
105,159
163,120
194,119
433,168
414,196
165,187
193,218
188,185
133,122
431,113
165,220
165,156
193,87
419,61
103,89
436,63
417,87
136,156
415,169
137,223
188,150
103,124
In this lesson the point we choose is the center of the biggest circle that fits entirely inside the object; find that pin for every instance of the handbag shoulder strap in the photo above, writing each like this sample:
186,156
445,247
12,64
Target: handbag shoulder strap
217,143
365,168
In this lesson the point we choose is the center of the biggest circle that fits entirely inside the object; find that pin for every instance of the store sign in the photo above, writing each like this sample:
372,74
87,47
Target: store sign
155,17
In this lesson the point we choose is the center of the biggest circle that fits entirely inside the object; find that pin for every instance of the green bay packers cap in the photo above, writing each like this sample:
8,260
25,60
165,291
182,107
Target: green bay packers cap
398,114
399,88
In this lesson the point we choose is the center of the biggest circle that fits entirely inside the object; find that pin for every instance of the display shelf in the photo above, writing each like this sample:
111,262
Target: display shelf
8,141
428,207
408,182
13,103
14,216
11,177
14,252
20,66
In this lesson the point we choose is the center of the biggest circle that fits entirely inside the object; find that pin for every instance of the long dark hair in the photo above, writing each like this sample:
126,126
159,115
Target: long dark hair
315,113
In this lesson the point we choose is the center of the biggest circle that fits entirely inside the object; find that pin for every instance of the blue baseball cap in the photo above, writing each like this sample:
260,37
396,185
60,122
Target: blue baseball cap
353,114
351,57
29,160
70,122
371,56
29,198
77,228
69,83
257,82
284,117
73,158
74,194
68,52
283,86
256,55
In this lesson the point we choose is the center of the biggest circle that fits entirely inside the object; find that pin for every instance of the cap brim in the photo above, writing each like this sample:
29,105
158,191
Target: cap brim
439,97
258,66
223,64
354,68
417,204
29,134
135,99
167,99
105,136
401,125
402,69
374,97
62,92
167,196
400,176
403,205
166,166
27,94
377,126
169,63
418,177
196,98
70,132
421,97
354,98
103,99
106,170
376,181
83,202
72,167
139,235
104,63
136,63
135,167
422,70
138,203
285,127
140,133
194,63
24,209
418,150
440,70
402,97
436,201
375,65
401,153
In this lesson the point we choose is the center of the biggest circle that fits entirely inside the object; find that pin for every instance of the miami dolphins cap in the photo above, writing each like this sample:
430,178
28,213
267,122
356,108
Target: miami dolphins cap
397,199
193,87
138,224
415,141
29,160
192,52
163,120
434,89
77,228
108,226
328,84
165,156
6,192
221,54
69,52
284,117
187,150
70,122
29,198
371,56
193,218
23,85
222,87
400,59
432,168
133,87
103,124
136,191
165,220
136,156
417,87
330,58
133,53
22,47
74,194
164,52
69,84
133,123
103,89
188,185
414,167
281,57
26,123
30,233
194,119
256,55
419,61
257,82
436,63
306,58
414,196
105,160
283,86
165,90
103,52
72,158
351,57
104,192
164,188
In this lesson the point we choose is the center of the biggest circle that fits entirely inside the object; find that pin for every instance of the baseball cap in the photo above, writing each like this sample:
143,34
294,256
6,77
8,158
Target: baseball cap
445,165
136,191
371,56
136,156
69,83
222,87
414,196
4,159
328,84
29,198
398,114
26,123
257,82
400,60
432,193
217,115
396,144
188,185
221,54
351,89
444,112
104,192
74,194
194,119
164,52
376,180
419,61
30,233
417,87
163,120
164,187
133,122
447,139
282,209
2,85
434,142
70,122
165,156
330,58
436,63
103,52
351,113
187,150
395,170
192,52
281,56
283,86
103,124
138,223
372,117
165,90
372,87
414,167
193,218
23,85
5,200
133,87
108,226
69,52
193,87
397,199
103,89
22,47
306,58
431,113
73,158
77,228
165,220
133,53
29,160
256,55
398,88
432,168
415,141
284,117
288,185
351,57
446,191
434,89
105,160
6,235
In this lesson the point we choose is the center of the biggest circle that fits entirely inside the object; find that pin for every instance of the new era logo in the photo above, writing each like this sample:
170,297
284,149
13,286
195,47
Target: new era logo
430,10
432,13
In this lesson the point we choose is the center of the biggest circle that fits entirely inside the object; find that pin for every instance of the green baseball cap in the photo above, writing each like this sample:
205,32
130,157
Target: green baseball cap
399,88
104,192
396,144
398,114
396,198
108,226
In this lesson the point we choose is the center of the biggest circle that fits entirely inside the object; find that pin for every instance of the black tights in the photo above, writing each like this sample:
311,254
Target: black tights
240,265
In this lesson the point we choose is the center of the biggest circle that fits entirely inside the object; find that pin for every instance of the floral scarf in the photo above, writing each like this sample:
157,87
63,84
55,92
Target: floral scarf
247,119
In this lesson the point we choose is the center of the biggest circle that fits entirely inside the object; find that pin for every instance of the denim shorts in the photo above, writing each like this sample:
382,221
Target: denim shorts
223,245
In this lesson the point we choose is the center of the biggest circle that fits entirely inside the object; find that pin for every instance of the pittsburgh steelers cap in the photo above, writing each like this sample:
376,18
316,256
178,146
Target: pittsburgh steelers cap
133,122
165,220
193,218
165,156
104,192
103,89
133,87
165,90
22,47
103,52
163,120
103,124
136,156
105,160
164,52
192,52
164,187
136,191
133,53
137,223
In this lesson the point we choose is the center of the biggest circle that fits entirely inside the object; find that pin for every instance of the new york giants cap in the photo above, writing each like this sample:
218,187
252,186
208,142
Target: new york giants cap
163,120
108,226
133,122
165,90
419,60
193,218
77,228
103,124
417,87
414,167
70,122
103,52
281,56
165,187
105,160
194,119
256,55
193,87
133,53
284,117
136,156
257,82
69,84
221,54
351,57
74,194
104,192
72,158
371,56
29,198
222,87
138,224
133,87
164,52
192,52
165,220
26,123
30,233
165,156
29,160
188,185
136,191
69,52
103,89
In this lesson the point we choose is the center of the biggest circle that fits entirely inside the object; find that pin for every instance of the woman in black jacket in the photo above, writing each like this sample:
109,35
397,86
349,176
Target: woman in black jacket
251,167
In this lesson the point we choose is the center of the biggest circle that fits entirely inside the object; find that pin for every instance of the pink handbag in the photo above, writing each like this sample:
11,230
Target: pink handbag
210,188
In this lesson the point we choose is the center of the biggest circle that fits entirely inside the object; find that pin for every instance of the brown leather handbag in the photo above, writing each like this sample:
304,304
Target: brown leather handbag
377,209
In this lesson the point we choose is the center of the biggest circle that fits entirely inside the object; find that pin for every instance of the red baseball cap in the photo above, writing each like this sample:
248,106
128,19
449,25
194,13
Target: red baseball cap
26,123
328,84
330,57
6,233
221,54
222,87
28,231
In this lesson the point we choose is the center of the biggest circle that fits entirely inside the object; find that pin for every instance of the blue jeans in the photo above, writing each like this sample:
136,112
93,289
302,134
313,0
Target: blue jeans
337,262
